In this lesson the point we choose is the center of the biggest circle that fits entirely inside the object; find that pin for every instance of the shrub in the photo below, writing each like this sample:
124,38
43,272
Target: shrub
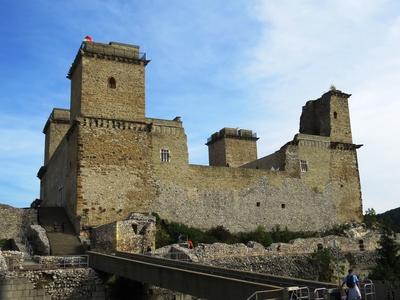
322,259
221,234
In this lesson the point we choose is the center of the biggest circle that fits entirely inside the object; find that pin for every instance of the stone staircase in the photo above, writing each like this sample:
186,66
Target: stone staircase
60,232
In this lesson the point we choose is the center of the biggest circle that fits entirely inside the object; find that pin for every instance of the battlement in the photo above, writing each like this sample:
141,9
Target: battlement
235,133
111,51
167,127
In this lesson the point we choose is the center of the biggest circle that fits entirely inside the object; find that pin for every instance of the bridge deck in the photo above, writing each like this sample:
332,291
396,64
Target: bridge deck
195,279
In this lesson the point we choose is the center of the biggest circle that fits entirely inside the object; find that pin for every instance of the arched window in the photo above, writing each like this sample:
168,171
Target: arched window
112,84
335,114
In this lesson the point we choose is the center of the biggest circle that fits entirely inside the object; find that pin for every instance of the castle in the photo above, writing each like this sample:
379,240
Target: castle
105,159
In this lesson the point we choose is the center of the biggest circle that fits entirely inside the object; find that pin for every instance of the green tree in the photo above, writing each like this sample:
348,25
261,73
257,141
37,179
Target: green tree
388,263
323,260
370,218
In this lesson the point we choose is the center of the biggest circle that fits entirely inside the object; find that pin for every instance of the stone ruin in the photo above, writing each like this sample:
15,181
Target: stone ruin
136,234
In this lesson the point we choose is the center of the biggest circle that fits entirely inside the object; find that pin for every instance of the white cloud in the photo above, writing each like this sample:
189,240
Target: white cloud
306,46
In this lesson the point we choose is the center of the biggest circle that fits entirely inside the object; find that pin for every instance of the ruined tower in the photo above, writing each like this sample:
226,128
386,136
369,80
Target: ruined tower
328,116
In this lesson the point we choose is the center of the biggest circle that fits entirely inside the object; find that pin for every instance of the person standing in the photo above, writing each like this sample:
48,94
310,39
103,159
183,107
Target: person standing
353,284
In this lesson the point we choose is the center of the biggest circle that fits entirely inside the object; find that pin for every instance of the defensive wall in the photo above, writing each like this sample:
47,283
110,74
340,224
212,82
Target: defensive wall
113,160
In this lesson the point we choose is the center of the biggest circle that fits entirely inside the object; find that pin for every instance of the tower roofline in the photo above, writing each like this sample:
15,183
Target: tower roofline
335,92
113,51
235,133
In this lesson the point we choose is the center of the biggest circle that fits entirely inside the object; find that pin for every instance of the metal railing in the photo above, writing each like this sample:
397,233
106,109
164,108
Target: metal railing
369,290
262,295
319,294
300,293
60,262
81,261
182,256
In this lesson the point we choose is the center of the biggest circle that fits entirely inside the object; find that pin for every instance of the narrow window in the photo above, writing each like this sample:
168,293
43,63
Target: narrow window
303,166
361,245
335,114
164,155
112,84
134,227
283,205
258,204
320,247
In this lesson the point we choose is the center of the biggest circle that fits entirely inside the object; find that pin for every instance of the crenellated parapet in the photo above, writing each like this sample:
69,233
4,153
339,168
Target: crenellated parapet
165,127
115,124
112,51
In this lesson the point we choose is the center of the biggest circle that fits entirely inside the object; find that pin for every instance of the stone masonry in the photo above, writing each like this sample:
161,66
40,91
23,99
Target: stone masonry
113,160
135,235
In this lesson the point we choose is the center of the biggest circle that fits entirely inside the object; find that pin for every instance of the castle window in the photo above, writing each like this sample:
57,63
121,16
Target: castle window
258,204
320,247
283,205
335,114
361,245
135,228
112,84
164,155
303,166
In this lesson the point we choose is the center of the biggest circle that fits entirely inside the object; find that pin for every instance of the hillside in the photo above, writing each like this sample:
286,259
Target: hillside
392,218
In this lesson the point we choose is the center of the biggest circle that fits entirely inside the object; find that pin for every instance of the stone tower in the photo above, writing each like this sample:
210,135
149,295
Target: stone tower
328,116
55,129
108,81
232,147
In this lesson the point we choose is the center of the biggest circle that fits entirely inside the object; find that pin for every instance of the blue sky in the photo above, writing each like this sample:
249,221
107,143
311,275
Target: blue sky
243,63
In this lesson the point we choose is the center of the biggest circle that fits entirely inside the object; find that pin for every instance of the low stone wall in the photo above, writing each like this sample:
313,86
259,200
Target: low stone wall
13,221
221,250
37,237
71,284
3,263
13,259
255,258
21,289
357,238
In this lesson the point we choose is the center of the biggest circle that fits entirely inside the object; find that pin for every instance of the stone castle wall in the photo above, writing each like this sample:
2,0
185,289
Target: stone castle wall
59,178
240,199
119,171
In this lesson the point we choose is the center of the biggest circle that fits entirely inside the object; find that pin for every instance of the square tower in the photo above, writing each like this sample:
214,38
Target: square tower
108,81
232,147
